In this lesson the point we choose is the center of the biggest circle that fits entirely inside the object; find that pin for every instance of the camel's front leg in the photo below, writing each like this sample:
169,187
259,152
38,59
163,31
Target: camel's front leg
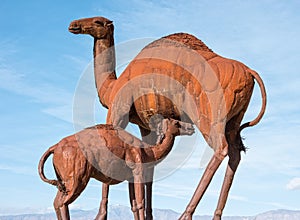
148,177
149,182
149,137
133,200
234,159
139,191
102,214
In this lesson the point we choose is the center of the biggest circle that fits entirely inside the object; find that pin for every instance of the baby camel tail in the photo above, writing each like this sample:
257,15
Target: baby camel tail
42,163
43,159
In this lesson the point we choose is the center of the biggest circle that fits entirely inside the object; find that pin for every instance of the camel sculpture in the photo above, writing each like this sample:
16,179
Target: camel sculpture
178,77
101,150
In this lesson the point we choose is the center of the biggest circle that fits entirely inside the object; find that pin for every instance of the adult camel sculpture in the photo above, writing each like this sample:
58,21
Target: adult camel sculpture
178,77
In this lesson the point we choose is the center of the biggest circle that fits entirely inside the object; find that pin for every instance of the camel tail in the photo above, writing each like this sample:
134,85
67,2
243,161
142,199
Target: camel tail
42,163
264,101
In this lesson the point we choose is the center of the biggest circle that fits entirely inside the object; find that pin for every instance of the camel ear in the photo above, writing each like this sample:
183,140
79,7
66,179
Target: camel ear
161,129
108,23
165,124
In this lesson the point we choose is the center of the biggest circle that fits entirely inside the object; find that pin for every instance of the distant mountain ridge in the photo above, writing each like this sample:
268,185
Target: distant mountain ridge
117,212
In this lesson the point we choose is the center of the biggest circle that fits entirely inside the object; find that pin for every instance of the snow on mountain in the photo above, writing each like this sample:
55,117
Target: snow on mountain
117,212
279,214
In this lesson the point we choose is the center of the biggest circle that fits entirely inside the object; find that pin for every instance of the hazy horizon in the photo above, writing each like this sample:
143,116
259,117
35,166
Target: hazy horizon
42,64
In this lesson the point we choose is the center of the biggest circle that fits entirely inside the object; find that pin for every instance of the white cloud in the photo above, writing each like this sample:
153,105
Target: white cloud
63,112
175,190
7,48
56,97
293,184
18,169
42,92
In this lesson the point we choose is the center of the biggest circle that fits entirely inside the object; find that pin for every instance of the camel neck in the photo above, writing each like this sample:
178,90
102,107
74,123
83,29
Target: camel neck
161,150
103,45
104,67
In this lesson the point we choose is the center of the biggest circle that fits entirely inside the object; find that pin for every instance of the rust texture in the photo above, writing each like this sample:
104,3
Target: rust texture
178,77
102,152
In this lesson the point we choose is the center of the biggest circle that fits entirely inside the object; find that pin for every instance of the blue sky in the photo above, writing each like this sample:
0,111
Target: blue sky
42,64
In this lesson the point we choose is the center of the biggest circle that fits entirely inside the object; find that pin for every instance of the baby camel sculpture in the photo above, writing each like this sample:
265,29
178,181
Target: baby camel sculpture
213,93
101,150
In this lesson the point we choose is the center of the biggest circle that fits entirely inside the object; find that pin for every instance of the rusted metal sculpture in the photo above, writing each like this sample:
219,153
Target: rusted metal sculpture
101,150
178,77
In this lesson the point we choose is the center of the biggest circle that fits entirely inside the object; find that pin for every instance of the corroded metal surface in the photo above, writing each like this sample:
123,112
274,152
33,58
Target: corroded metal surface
104,153
178,77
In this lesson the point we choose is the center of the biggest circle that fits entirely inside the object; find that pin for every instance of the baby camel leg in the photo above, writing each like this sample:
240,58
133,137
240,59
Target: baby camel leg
207,176
133,200
148,195
139,191
66,197
69,191
118,120
61,208
102,214
234,159
150,138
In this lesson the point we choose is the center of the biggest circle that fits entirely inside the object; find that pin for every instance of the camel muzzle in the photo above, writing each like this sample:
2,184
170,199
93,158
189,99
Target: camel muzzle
75,29
186,129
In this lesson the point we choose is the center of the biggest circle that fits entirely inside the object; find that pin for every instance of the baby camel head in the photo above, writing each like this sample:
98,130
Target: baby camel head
175,127
97,27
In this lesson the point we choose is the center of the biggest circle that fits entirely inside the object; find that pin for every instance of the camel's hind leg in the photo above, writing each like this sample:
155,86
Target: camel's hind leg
234,159
66,197
221,146
235,147
61,208
73,174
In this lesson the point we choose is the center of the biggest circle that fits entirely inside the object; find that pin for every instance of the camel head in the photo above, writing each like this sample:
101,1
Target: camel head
97,27
176,127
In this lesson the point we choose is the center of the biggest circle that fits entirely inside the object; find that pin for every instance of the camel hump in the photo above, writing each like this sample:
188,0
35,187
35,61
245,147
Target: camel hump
180,39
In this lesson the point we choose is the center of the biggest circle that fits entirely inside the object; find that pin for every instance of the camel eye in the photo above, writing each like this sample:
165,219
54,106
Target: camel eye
99,23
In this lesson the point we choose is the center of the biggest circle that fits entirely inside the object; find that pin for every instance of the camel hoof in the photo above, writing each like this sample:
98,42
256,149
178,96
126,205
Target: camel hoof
217,217
149,214
149,217
101,216
185,216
